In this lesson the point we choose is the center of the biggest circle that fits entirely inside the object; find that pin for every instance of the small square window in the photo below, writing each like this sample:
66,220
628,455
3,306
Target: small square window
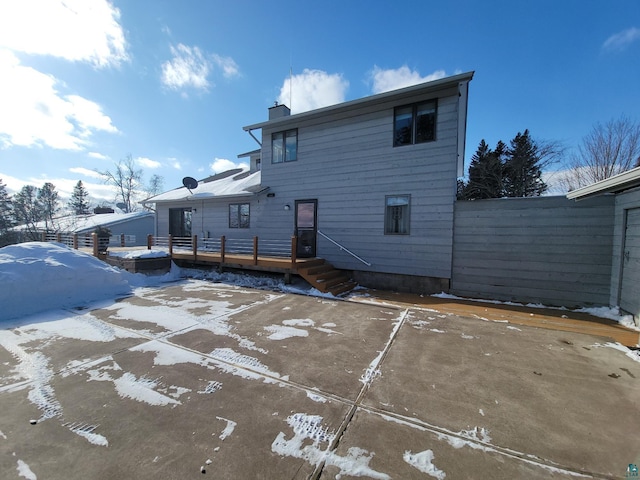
397,214
239,215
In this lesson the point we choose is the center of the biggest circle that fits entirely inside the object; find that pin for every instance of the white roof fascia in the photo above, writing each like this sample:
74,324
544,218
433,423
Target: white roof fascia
617,183
434,85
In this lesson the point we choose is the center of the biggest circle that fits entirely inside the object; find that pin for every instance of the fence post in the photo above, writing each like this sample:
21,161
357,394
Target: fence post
149,241
170,245
94,239
294,250
222,240
58,237
255,250
43,236
75,241
122,244
195,247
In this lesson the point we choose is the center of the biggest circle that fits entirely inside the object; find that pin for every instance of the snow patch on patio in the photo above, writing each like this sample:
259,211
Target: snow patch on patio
309,428
25,471
228,430
282,332
423,462
632,354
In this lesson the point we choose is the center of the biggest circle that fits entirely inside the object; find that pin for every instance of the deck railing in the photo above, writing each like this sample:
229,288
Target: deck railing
226,246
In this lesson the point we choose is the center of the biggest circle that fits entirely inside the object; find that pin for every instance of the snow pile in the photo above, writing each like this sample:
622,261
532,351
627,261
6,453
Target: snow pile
129,254
38,276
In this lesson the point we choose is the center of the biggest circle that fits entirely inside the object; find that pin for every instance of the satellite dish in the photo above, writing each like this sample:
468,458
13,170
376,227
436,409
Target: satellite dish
190,183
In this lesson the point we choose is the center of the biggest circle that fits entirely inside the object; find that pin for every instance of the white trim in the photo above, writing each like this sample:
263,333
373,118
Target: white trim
617,183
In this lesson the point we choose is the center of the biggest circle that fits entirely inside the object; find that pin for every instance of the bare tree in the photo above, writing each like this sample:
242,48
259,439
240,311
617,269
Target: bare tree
127,180
605,151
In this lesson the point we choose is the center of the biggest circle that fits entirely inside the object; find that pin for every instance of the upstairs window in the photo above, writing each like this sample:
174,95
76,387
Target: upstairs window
414,123
239,215
284,146
396,214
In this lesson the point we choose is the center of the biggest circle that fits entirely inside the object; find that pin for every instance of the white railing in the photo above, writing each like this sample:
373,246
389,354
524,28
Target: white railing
343,248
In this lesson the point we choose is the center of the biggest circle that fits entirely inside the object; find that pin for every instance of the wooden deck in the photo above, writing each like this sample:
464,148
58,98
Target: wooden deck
248,262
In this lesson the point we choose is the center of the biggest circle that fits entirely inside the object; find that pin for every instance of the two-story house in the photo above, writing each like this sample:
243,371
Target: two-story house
368,185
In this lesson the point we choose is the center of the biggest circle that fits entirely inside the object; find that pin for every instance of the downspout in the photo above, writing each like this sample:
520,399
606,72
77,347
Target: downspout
254,137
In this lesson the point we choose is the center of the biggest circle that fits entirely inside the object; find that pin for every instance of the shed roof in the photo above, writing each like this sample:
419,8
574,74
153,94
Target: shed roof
232,183
88,223
616,184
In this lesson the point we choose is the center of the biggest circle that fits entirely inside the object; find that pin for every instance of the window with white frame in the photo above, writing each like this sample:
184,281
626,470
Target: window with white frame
397,214
414,123
239,215
284,146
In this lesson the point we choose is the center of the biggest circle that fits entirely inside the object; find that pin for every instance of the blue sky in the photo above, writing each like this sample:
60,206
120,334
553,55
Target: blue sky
85,83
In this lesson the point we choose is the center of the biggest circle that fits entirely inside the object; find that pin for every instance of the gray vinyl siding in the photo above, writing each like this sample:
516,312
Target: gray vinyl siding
547,250
211,218
138,227
349,164
627,200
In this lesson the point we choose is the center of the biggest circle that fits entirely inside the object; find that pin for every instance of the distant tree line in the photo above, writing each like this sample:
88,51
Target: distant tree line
36,209
509,171
515,170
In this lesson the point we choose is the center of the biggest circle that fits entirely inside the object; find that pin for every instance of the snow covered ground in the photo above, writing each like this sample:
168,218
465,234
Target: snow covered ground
38,277
172,349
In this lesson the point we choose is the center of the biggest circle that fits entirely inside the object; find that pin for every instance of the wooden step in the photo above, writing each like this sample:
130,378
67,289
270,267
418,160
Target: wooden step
323,276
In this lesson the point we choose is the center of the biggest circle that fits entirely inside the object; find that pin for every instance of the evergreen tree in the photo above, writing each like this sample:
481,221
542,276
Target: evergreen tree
485,173
522,168
6,217
79,202
48,203
27,211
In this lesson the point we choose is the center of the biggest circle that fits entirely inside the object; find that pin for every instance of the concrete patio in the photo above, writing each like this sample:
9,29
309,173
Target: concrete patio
206,380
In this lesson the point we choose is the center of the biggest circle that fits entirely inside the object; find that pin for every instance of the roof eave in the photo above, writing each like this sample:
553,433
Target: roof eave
426,86
617,183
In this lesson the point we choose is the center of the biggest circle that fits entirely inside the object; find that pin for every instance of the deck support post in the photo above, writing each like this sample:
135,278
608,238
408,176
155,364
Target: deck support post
222,240
94,240
170,245
294,250
75,241
255,250
149,241
122,242
194,245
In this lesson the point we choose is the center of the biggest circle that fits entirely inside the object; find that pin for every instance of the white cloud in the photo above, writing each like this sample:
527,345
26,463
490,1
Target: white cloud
64,186
393,79
312,89
97,155
222,165
85,172
147,162
76,30
228,65
621,40
175,163
188,68
35,113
